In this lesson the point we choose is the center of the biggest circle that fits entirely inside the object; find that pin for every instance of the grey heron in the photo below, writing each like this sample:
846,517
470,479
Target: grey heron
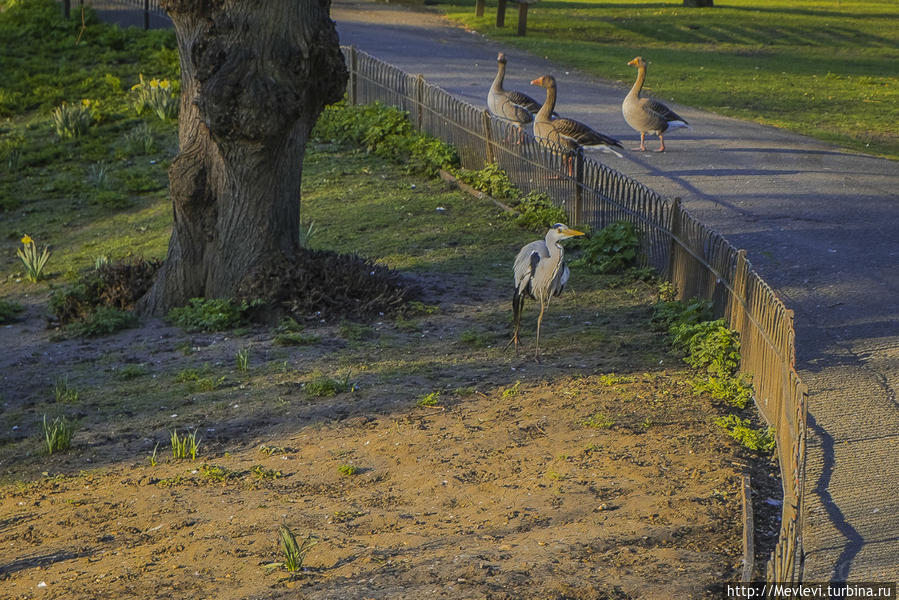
541,273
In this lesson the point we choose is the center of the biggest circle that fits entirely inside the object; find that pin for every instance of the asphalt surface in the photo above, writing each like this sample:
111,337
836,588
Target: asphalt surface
820,224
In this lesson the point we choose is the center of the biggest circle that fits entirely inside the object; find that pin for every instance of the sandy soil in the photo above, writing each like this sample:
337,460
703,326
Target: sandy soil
499,490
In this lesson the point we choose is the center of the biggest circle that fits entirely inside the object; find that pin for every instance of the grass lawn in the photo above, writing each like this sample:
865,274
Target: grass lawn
821,68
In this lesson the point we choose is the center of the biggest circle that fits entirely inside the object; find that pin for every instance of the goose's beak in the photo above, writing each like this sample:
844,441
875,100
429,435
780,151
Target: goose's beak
538,81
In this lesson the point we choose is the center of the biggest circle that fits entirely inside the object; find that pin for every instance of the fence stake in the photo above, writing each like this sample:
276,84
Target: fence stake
673,253
67,8
738,301
485,119
748,523
419,100
578,186
146,15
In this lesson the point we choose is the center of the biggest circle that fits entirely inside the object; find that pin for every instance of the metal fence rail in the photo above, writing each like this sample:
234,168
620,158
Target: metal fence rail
697,260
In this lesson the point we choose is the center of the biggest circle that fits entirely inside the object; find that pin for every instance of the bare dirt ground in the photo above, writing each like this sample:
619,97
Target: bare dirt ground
586,475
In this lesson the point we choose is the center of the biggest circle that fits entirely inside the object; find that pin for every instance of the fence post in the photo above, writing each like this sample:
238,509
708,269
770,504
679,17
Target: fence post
354,77
67,9
146,15
488,138
738,301
673,250
579,186
419,100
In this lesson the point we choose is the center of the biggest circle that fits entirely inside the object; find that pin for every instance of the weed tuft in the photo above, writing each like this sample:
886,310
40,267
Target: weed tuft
58,434
294,553
185,445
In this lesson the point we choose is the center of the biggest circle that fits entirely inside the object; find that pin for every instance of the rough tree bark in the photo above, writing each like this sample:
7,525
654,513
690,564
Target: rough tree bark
255,76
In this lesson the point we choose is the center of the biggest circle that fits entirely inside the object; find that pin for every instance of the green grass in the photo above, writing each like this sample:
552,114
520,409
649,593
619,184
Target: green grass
824,68
98,193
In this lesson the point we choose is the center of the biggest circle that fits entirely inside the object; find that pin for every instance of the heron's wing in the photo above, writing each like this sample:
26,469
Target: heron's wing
564,274
526,262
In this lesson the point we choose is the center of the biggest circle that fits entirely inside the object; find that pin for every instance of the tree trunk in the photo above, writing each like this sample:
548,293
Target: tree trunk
699,3
255,77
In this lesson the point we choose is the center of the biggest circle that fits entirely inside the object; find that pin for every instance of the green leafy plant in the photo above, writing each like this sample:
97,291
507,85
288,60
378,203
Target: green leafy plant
98,175
491,180
537,212
209,314
63,392
294,553
58,434
475,339
103,320
199,379
216,473
429,155
185,445
307,233
599,421
8,310
153,458
354,331
429,399
326,387
614,249
72,120
260,472
512,391
758,440
140,140
34,262
667,314
242,359
157,96
348,470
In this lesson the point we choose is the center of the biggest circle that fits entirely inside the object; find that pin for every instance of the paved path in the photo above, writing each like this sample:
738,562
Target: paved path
820,225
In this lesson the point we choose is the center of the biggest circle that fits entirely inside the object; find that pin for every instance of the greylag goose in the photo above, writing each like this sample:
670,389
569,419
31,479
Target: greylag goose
541,273
511,106
567,133
648,115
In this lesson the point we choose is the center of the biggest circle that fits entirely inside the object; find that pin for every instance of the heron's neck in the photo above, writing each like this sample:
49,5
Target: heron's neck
546,111
638,85
500,74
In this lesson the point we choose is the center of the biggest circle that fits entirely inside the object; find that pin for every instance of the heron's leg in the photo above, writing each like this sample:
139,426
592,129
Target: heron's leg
517,309
539,321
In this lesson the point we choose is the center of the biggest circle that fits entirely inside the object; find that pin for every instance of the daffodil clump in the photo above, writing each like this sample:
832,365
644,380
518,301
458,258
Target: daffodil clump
72,120
156,96
34,261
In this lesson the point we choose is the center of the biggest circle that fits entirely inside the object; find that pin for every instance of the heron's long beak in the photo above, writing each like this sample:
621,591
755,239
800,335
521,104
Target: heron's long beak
571,232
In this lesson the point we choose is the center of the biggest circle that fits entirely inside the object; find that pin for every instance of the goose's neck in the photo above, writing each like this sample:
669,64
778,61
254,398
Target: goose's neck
545,114
500,74
638,85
